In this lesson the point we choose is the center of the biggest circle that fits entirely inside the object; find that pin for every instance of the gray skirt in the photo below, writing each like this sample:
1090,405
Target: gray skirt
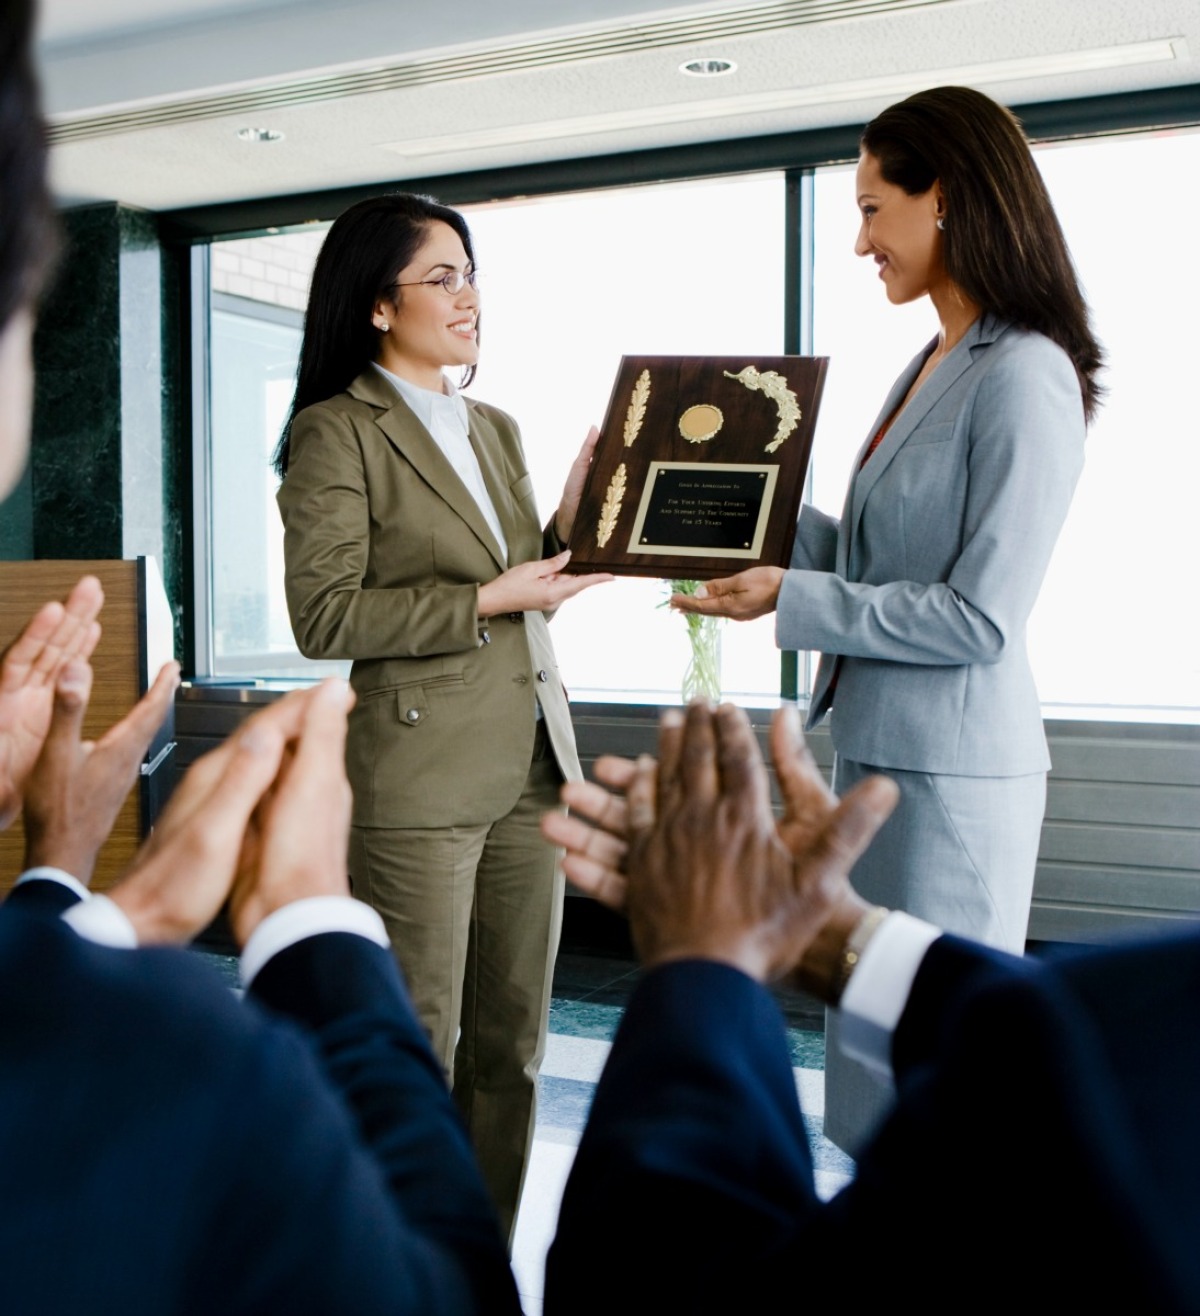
959,852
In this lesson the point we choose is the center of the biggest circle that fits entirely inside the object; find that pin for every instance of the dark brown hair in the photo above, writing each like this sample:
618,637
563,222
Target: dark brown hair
1002,242
28,228
359,262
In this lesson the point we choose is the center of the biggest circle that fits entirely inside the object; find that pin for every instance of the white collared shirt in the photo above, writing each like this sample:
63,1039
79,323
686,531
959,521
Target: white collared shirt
98,919
878,989
444,415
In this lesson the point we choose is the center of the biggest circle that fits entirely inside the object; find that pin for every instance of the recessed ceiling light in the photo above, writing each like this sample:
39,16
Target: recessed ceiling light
870,91
259,135
708,68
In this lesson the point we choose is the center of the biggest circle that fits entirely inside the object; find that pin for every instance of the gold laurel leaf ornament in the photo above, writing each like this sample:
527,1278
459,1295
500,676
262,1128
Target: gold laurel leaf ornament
637,407
773,386
612,507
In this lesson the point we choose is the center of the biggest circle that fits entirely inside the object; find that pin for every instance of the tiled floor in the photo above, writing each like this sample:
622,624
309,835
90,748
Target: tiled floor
589,993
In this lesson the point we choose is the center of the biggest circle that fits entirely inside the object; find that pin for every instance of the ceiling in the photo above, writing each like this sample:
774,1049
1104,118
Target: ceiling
146,97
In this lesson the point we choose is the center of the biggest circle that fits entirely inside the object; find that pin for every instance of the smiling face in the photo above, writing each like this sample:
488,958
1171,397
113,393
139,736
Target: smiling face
900,233
428,328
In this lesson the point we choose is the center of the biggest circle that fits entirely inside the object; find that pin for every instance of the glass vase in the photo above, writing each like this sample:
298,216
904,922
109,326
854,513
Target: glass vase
702,678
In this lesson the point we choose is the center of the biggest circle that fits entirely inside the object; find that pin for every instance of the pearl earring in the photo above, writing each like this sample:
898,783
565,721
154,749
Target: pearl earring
941,223
383,328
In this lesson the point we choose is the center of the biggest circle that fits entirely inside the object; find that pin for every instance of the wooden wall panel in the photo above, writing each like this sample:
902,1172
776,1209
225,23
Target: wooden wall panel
117,662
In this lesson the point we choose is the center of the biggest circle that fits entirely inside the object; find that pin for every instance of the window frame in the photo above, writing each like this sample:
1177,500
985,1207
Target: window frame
796,155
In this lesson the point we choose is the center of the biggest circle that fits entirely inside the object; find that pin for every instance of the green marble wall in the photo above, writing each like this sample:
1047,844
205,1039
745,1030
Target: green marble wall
107,464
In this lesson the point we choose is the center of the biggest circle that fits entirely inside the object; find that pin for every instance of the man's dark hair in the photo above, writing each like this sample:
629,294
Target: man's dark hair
28,228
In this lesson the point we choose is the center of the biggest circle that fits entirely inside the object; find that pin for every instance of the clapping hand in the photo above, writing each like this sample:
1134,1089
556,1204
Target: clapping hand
694,855
265,795
29,672
77,787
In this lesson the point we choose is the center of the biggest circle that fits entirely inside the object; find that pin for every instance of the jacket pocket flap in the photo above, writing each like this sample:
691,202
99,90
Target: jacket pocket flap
412,706
942,432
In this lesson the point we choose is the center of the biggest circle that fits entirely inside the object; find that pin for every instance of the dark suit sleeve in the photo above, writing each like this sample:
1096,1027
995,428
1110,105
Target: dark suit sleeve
42,895
348,995
1013,1134
1014,1101
694,1160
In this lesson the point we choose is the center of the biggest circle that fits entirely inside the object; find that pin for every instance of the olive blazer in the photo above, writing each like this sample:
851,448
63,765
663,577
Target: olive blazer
385,551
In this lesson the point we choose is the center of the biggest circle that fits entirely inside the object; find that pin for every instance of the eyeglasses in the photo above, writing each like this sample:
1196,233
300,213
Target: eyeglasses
451,282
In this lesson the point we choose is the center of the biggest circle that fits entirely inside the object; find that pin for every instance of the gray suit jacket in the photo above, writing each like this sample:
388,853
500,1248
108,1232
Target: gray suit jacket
385,551
918,598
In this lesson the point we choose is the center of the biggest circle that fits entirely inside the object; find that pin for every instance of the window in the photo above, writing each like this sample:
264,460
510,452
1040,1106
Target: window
259,288
569,284
1113,632
572,281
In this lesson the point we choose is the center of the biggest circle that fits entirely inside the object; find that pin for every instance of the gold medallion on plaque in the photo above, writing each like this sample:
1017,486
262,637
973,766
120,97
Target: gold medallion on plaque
700,423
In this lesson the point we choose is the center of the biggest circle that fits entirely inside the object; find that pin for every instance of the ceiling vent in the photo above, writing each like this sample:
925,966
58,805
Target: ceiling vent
250,102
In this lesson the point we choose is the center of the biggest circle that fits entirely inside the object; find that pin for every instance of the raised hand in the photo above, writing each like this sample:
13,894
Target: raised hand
822,835
538,586
301,829
77,787
564,518
709,877
743,597
593,834
29,671
826,833
184,872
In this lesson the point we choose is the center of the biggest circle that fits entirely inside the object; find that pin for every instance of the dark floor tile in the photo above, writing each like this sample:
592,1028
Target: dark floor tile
807,1048
800,1009
582,976
593,1019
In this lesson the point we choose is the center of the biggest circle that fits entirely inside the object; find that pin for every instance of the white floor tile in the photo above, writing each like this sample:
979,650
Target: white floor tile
545,1179
574,1057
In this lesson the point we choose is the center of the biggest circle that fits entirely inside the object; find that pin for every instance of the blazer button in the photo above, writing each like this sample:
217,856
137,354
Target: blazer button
543,677
486,637
516,618
413,715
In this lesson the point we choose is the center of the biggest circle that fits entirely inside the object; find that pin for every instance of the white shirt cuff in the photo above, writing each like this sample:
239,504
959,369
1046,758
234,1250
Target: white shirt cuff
878,989
308,918
99,920
45,874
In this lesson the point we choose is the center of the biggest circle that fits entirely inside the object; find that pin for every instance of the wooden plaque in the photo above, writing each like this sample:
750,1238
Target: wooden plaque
700,466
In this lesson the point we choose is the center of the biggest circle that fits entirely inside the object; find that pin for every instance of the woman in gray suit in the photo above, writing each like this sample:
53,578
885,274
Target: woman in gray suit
918,597
412,546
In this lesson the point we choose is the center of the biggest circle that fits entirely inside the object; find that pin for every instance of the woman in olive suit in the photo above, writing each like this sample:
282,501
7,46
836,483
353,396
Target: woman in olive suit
412,546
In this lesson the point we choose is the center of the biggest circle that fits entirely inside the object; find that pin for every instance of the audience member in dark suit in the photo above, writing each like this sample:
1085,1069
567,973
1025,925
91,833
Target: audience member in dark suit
295,1152
1044,1145
165,1147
